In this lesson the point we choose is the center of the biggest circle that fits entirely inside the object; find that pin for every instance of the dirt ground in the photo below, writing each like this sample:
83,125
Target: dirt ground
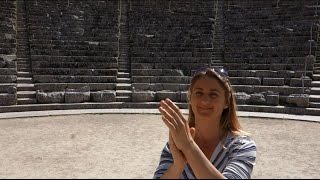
129,146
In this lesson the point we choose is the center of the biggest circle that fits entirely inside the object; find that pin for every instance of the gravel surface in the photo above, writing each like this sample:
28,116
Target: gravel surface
129,146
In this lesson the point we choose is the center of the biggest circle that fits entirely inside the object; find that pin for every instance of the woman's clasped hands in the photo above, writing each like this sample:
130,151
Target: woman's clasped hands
180,134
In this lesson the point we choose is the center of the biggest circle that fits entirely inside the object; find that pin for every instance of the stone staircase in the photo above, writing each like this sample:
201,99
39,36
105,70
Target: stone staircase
25,86
123,88
218,36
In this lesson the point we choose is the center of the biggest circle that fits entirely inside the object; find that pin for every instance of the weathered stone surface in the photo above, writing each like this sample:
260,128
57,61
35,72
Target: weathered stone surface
11,90
300,100
272,99
77,95
298,82
143,96
242,97
184,96
103,96
49,97
273,81
162,95
8,99
257,98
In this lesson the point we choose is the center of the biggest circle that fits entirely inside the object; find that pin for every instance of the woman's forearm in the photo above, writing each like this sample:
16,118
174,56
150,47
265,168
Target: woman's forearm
200,165
173,172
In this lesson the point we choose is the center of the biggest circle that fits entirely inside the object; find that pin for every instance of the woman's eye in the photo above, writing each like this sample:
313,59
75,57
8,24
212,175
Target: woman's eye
198,93
213,95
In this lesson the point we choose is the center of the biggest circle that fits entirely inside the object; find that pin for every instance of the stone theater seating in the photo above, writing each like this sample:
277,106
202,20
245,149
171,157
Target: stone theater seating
133,53
167,41
8,67
266,46
73,45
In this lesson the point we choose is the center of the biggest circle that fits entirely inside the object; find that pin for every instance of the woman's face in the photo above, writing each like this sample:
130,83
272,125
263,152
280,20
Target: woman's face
208,98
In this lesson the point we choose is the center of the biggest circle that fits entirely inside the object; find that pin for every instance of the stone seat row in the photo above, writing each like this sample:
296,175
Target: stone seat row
72,42
158,59
73,79
185,67
268,60
170,49
73,52
74,71
50,58
161,54
88,65
74,47
100,37
274,67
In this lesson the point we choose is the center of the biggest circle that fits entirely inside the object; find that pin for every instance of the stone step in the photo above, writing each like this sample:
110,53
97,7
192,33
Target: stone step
314,98
26,80
26,100
123,75
123,80
316,77
26,94
123,93
24,74
23,69
315,84
123,86
25,87
314,105
123,99
315,91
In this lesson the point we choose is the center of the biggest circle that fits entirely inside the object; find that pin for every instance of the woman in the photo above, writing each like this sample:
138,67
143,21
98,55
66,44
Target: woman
211,143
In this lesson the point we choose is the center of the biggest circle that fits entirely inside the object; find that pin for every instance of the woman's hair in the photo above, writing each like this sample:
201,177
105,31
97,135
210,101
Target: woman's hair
229,120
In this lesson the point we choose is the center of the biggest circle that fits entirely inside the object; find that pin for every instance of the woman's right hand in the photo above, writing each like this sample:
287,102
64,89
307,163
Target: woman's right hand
179,160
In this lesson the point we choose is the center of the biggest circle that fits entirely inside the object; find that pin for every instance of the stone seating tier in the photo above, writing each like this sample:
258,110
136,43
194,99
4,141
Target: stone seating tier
56,87
8,71
87,65
268,73
61,52
273,67
170,59
184,67
160,79
156,72
74,71
173,87
49,58
73,79
73,47
8,78
98,37
72,42
292,82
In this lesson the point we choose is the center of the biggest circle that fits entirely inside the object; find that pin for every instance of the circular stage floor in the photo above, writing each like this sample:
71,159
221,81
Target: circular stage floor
129,146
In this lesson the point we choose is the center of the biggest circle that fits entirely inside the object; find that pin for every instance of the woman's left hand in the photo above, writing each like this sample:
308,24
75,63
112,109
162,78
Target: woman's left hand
181,133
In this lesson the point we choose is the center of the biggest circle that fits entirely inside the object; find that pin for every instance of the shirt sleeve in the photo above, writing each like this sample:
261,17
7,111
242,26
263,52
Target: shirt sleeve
166,160
242,160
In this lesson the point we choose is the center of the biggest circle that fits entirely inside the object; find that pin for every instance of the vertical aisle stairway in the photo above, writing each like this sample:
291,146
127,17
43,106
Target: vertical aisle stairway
25,86
123,89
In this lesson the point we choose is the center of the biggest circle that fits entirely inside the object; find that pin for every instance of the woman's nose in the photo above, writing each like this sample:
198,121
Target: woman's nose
205,100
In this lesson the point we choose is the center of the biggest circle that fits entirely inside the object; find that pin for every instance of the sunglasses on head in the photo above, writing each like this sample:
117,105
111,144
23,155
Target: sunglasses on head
220,71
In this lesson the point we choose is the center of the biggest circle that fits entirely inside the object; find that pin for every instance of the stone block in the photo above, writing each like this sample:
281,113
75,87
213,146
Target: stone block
8,99
77,95
272,99
143,96
174,96
49,97
297,82
300,100
273,81
242,97
103,96
257,99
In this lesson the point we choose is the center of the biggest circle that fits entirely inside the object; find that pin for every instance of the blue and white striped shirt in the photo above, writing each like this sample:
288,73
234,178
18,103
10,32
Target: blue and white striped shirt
235,160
